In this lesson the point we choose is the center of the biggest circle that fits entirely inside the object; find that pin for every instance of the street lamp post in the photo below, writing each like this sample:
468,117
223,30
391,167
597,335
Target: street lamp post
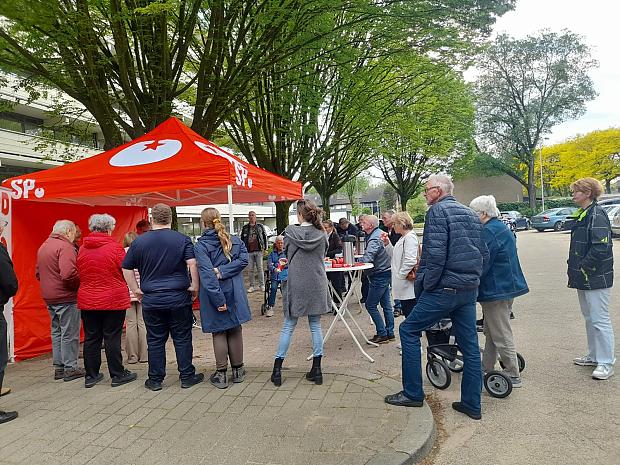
542,184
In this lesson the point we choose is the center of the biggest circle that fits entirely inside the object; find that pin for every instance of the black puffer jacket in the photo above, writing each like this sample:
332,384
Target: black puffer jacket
453,250
591,257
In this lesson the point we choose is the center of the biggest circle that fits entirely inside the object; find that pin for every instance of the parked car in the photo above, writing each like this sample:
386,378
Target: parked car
553,218
609,208
614,201
615,224
516,220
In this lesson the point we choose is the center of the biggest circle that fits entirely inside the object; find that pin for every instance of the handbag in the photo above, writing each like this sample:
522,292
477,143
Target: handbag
412,274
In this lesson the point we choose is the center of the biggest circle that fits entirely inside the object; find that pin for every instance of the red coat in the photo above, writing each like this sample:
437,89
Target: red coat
102,286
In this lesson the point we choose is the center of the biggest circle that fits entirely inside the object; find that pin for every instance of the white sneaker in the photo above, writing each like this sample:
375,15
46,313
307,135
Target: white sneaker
250,289
269,312
585,361
603,372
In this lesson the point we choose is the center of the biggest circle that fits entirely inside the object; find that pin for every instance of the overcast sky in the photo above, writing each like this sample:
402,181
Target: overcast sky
598,21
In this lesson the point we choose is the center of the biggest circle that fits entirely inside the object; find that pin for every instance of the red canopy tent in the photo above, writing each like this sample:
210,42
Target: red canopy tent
171,164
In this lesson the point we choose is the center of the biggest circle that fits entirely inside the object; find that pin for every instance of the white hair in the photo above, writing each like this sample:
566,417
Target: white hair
63,227
442,181
101,223
485,204
372,219
280,238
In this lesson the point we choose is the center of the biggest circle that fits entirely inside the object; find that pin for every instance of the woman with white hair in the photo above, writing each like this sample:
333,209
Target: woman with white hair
103,300
502,280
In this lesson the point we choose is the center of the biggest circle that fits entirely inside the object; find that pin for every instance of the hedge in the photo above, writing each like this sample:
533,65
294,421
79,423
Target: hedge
525,210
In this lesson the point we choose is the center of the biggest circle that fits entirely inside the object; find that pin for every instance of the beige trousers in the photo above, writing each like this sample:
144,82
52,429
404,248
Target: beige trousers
135,344
499,339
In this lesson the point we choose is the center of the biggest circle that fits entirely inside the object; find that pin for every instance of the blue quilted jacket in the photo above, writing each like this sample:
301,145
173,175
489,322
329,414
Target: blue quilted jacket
453,250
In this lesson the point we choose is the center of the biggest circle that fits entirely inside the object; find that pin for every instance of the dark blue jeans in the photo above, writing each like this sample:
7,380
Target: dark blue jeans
379,293
176,322
432,306
271,301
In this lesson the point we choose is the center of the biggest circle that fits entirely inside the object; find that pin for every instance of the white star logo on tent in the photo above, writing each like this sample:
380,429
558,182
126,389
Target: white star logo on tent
146,152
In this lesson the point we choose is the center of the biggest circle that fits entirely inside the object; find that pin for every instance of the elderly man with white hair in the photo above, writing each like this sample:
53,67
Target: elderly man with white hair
57,273
379,278
502,280
453,257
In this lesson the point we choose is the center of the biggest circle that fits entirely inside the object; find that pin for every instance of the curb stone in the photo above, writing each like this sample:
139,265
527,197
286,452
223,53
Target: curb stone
418,437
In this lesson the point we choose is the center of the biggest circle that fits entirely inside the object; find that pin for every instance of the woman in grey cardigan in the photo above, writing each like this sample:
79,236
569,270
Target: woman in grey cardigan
308,292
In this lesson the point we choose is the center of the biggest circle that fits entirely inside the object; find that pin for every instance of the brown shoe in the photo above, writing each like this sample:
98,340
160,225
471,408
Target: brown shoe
59,373
73,373
380,339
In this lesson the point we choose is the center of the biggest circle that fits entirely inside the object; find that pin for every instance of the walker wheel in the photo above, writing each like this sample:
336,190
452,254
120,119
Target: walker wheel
520,361
497,384
263,309
438,373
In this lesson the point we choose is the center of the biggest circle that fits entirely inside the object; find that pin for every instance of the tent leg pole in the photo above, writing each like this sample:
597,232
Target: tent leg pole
231,226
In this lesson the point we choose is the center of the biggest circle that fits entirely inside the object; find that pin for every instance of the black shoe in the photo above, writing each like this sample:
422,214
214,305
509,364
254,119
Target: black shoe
459,408
126,377
189,382
512,316
380,339
392,337
315,373
90,381
397,313
7,416
276,375
152,385
59,373
401,400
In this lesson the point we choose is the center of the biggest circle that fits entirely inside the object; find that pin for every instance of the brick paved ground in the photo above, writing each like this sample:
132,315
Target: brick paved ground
345,421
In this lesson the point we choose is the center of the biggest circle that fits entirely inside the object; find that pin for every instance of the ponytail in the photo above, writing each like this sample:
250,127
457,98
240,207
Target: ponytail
211,219
311,213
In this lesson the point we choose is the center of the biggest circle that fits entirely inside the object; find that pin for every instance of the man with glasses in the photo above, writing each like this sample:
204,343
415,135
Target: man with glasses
453,256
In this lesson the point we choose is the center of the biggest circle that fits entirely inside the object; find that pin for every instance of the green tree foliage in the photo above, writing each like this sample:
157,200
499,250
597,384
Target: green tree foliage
525,88
426,132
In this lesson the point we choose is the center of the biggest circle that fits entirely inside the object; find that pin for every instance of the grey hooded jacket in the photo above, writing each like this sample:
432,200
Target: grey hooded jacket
308,292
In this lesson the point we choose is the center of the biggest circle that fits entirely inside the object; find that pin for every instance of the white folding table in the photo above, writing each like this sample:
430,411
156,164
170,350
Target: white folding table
341,306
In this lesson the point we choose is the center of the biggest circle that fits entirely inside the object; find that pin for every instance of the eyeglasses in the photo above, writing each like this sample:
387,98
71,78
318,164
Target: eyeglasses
4,223
427,189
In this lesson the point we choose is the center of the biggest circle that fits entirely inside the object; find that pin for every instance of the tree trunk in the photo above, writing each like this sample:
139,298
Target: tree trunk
608,186
403,201
325,199
175,219
531,188
282,209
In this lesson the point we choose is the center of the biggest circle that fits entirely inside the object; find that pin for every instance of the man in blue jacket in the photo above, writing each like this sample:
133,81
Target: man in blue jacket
453,256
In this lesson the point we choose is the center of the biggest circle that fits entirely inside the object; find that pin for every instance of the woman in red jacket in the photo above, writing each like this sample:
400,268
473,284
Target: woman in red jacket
102,299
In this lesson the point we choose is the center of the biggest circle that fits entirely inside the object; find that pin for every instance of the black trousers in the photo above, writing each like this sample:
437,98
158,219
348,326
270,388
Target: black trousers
106,325
337,280
406,306
4,346
161,323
